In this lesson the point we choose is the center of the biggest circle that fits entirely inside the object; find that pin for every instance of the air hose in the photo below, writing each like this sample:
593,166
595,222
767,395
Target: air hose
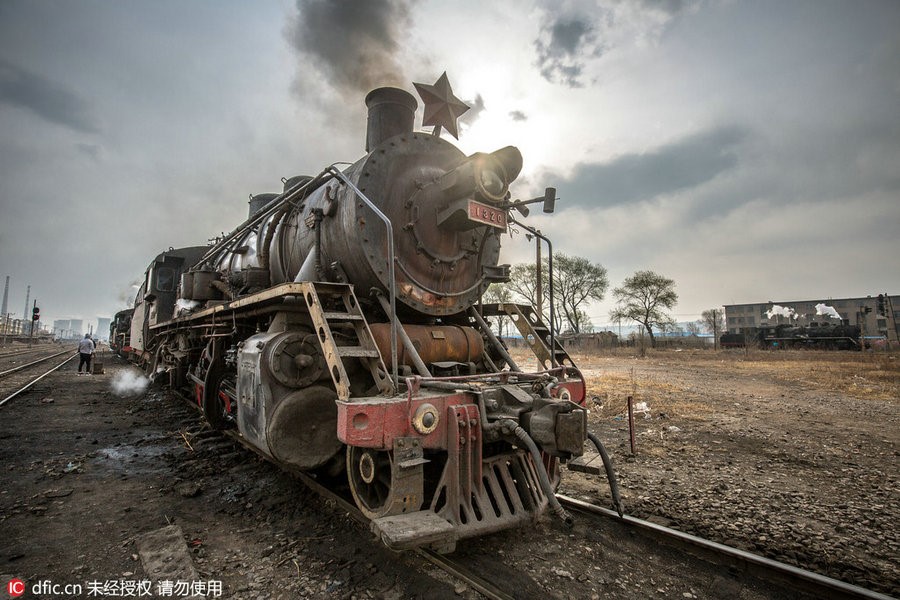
610,474
543,478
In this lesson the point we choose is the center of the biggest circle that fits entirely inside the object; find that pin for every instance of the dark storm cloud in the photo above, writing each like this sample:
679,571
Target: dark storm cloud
561,47
518,115
353,43
45,98
568,42
684,164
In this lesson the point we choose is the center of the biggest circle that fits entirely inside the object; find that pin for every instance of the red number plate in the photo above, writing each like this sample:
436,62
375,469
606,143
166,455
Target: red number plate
482,213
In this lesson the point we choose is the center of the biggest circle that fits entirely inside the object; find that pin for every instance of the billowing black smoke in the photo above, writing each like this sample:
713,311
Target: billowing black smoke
354,44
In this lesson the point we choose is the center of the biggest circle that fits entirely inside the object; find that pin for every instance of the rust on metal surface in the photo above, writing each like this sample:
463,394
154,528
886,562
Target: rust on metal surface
487,215
434,343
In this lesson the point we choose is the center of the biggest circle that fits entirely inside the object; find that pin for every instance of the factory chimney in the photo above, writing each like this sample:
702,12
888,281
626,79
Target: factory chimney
5,299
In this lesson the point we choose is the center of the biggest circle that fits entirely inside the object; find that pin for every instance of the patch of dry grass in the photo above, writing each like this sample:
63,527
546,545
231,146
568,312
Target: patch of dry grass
673,381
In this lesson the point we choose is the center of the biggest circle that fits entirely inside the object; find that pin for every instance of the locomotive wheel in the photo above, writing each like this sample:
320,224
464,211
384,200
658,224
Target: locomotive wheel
214,408
369,475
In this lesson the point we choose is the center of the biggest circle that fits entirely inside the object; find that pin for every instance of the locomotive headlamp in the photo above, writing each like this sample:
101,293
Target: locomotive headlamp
495,171
475,192
490,180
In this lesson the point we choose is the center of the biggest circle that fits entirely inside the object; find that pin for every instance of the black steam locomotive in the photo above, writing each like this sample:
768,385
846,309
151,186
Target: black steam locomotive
120,332
822,336
340,331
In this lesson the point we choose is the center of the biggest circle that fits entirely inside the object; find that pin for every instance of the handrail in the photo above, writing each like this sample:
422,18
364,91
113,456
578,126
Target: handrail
393,284
268,210
538,234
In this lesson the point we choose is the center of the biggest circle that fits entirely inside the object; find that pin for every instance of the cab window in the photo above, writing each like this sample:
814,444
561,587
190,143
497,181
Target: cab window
165,279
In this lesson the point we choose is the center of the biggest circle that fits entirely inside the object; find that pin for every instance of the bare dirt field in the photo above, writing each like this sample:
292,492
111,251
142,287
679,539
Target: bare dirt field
789,454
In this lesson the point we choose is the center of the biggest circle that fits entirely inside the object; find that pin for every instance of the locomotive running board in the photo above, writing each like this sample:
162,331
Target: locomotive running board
415,530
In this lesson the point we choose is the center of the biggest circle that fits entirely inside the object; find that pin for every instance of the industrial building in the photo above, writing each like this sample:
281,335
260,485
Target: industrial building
876,315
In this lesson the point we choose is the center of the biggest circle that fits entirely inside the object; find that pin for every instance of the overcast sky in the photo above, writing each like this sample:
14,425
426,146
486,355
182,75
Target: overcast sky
748,150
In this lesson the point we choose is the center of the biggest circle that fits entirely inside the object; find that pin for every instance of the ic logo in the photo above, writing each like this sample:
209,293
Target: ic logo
15,587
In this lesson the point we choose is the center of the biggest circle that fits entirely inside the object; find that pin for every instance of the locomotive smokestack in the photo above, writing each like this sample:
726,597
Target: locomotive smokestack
392,112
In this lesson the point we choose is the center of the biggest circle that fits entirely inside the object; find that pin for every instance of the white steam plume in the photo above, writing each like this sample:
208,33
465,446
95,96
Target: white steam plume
781,311
183,306
824,309
129,383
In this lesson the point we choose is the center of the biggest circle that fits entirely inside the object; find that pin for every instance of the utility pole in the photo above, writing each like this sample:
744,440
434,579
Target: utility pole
539,288
715,330
26,313
33,321
891,320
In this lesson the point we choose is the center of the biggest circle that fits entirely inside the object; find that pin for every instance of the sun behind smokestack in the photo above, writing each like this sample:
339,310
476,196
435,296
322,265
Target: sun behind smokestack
392,111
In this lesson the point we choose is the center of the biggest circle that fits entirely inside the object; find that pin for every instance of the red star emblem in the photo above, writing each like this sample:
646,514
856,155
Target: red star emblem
442,108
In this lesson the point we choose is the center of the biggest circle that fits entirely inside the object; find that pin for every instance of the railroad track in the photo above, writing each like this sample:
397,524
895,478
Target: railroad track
808,582
7,372
11,356
23,349
15,381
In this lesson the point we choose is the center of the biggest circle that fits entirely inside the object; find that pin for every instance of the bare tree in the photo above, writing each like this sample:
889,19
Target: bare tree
644,297
694,327
576,282
523,283
499,293
713,320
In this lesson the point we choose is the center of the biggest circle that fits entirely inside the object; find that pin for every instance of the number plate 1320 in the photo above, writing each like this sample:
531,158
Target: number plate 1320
482,213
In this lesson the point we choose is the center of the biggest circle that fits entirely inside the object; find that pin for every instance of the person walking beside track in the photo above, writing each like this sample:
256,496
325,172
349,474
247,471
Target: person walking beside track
86,351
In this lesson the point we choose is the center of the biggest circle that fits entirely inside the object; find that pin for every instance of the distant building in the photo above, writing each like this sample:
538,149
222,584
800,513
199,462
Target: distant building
102,331
589,341
852,311
61,328
75,328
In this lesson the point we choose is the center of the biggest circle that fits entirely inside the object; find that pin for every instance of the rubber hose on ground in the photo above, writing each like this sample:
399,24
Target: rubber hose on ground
610,474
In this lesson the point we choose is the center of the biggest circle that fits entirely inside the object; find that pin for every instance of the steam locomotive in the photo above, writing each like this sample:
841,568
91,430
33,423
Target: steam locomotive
340,331
120,332
822,336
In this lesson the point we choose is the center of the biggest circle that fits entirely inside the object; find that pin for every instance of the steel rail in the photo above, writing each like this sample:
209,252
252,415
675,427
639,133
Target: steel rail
22,351
35,380
443,562
819,585
36,362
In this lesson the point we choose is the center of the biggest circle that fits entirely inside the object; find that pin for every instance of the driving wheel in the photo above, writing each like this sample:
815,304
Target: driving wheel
369,475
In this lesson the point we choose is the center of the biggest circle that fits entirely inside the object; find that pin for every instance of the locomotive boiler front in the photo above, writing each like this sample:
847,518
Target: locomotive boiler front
446,211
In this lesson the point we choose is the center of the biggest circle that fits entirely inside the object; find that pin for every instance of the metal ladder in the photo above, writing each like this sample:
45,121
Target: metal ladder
533,330
332,305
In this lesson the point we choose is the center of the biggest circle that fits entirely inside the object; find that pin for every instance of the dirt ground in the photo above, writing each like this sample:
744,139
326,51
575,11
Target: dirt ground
791,455
87,471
